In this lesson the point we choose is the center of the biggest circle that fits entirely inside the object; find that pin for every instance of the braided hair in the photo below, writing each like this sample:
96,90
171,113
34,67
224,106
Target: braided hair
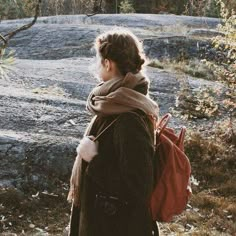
123,48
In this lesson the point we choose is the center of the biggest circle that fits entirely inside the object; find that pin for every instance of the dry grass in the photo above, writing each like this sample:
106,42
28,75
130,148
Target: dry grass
194,67
50,90
206,200
26,214
178,29
213,163
211,212
156,64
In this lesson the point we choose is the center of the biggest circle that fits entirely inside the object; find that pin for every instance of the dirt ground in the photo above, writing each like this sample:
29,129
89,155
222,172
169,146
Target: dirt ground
41,213
209,212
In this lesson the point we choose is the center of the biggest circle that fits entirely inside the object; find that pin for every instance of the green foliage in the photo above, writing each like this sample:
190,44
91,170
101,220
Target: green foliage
6,60
227,42
126,7
200,103
66,7
202,8
12,9
225,67
9,9
212,9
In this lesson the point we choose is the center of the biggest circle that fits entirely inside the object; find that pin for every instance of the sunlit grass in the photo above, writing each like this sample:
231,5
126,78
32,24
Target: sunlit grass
194,67
50,90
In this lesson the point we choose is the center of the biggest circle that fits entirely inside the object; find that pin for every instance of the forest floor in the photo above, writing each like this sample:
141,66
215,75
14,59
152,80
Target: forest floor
211,209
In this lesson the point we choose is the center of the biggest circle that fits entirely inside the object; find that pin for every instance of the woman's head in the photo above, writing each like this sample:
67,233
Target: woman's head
119,52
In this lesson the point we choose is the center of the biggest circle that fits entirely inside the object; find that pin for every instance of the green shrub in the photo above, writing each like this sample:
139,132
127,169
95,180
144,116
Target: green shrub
126,7
224,67
193,104
202,8
13,9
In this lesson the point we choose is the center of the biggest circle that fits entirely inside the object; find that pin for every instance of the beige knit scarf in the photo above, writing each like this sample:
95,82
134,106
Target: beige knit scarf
114,96
117,96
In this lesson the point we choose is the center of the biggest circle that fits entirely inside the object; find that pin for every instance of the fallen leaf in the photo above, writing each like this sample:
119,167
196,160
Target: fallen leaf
32,226
36,195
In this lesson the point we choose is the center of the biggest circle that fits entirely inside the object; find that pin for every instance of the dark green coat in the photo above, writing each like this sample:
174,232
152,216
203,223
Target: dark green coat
124,170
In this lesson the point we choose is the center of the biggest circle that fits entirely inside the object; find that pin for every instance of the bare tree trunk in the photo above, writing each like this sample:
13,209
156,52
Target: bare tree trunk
110,6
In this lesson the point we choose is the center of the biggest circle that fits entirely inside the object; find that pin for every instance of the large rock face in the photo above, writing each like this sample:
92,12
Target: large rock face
60,37
43,99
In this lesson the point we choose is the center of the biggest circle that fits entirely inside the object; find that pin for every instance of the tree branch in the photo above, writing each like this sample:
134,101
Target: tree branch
3,39
11,34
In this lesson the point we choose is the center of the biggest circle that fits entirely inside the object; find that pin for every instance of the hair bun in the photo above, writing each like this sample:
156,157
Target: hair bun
122,47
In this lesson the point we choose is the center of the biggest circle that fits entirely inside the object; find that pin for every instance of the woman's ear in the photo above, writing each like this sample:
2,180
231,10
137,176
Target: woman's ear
107,65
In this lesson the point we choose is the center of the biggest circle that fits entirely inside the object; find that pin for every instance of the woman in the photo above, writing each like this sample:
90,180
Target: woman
112,177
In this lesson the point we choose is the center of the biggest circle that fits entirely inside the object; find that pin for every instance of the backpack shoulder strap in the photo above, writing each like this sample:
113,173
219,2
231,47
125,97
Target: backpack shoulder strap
106,128
146,126
133,112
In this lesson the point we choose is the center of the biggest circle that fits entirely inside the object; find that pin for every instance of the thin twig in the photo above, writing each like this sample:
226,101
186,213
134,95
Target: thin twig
3,39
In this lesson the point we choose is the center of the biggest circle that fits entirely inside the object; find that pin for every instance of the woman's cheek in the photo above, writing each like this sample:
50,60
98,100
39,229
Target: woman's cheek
103,74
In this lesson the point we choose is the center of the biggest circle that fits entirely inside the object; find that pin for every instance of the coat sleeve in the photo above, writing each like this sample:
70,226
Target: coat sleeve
134,147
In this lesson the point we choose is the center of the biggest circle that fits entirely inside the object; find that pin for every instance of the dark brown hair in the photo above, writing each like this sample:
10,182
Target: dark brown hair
122,47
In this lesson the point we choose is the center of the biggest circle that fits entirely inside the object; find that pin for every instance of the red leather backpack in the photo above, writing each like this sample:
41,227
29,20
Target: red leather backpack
172,173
